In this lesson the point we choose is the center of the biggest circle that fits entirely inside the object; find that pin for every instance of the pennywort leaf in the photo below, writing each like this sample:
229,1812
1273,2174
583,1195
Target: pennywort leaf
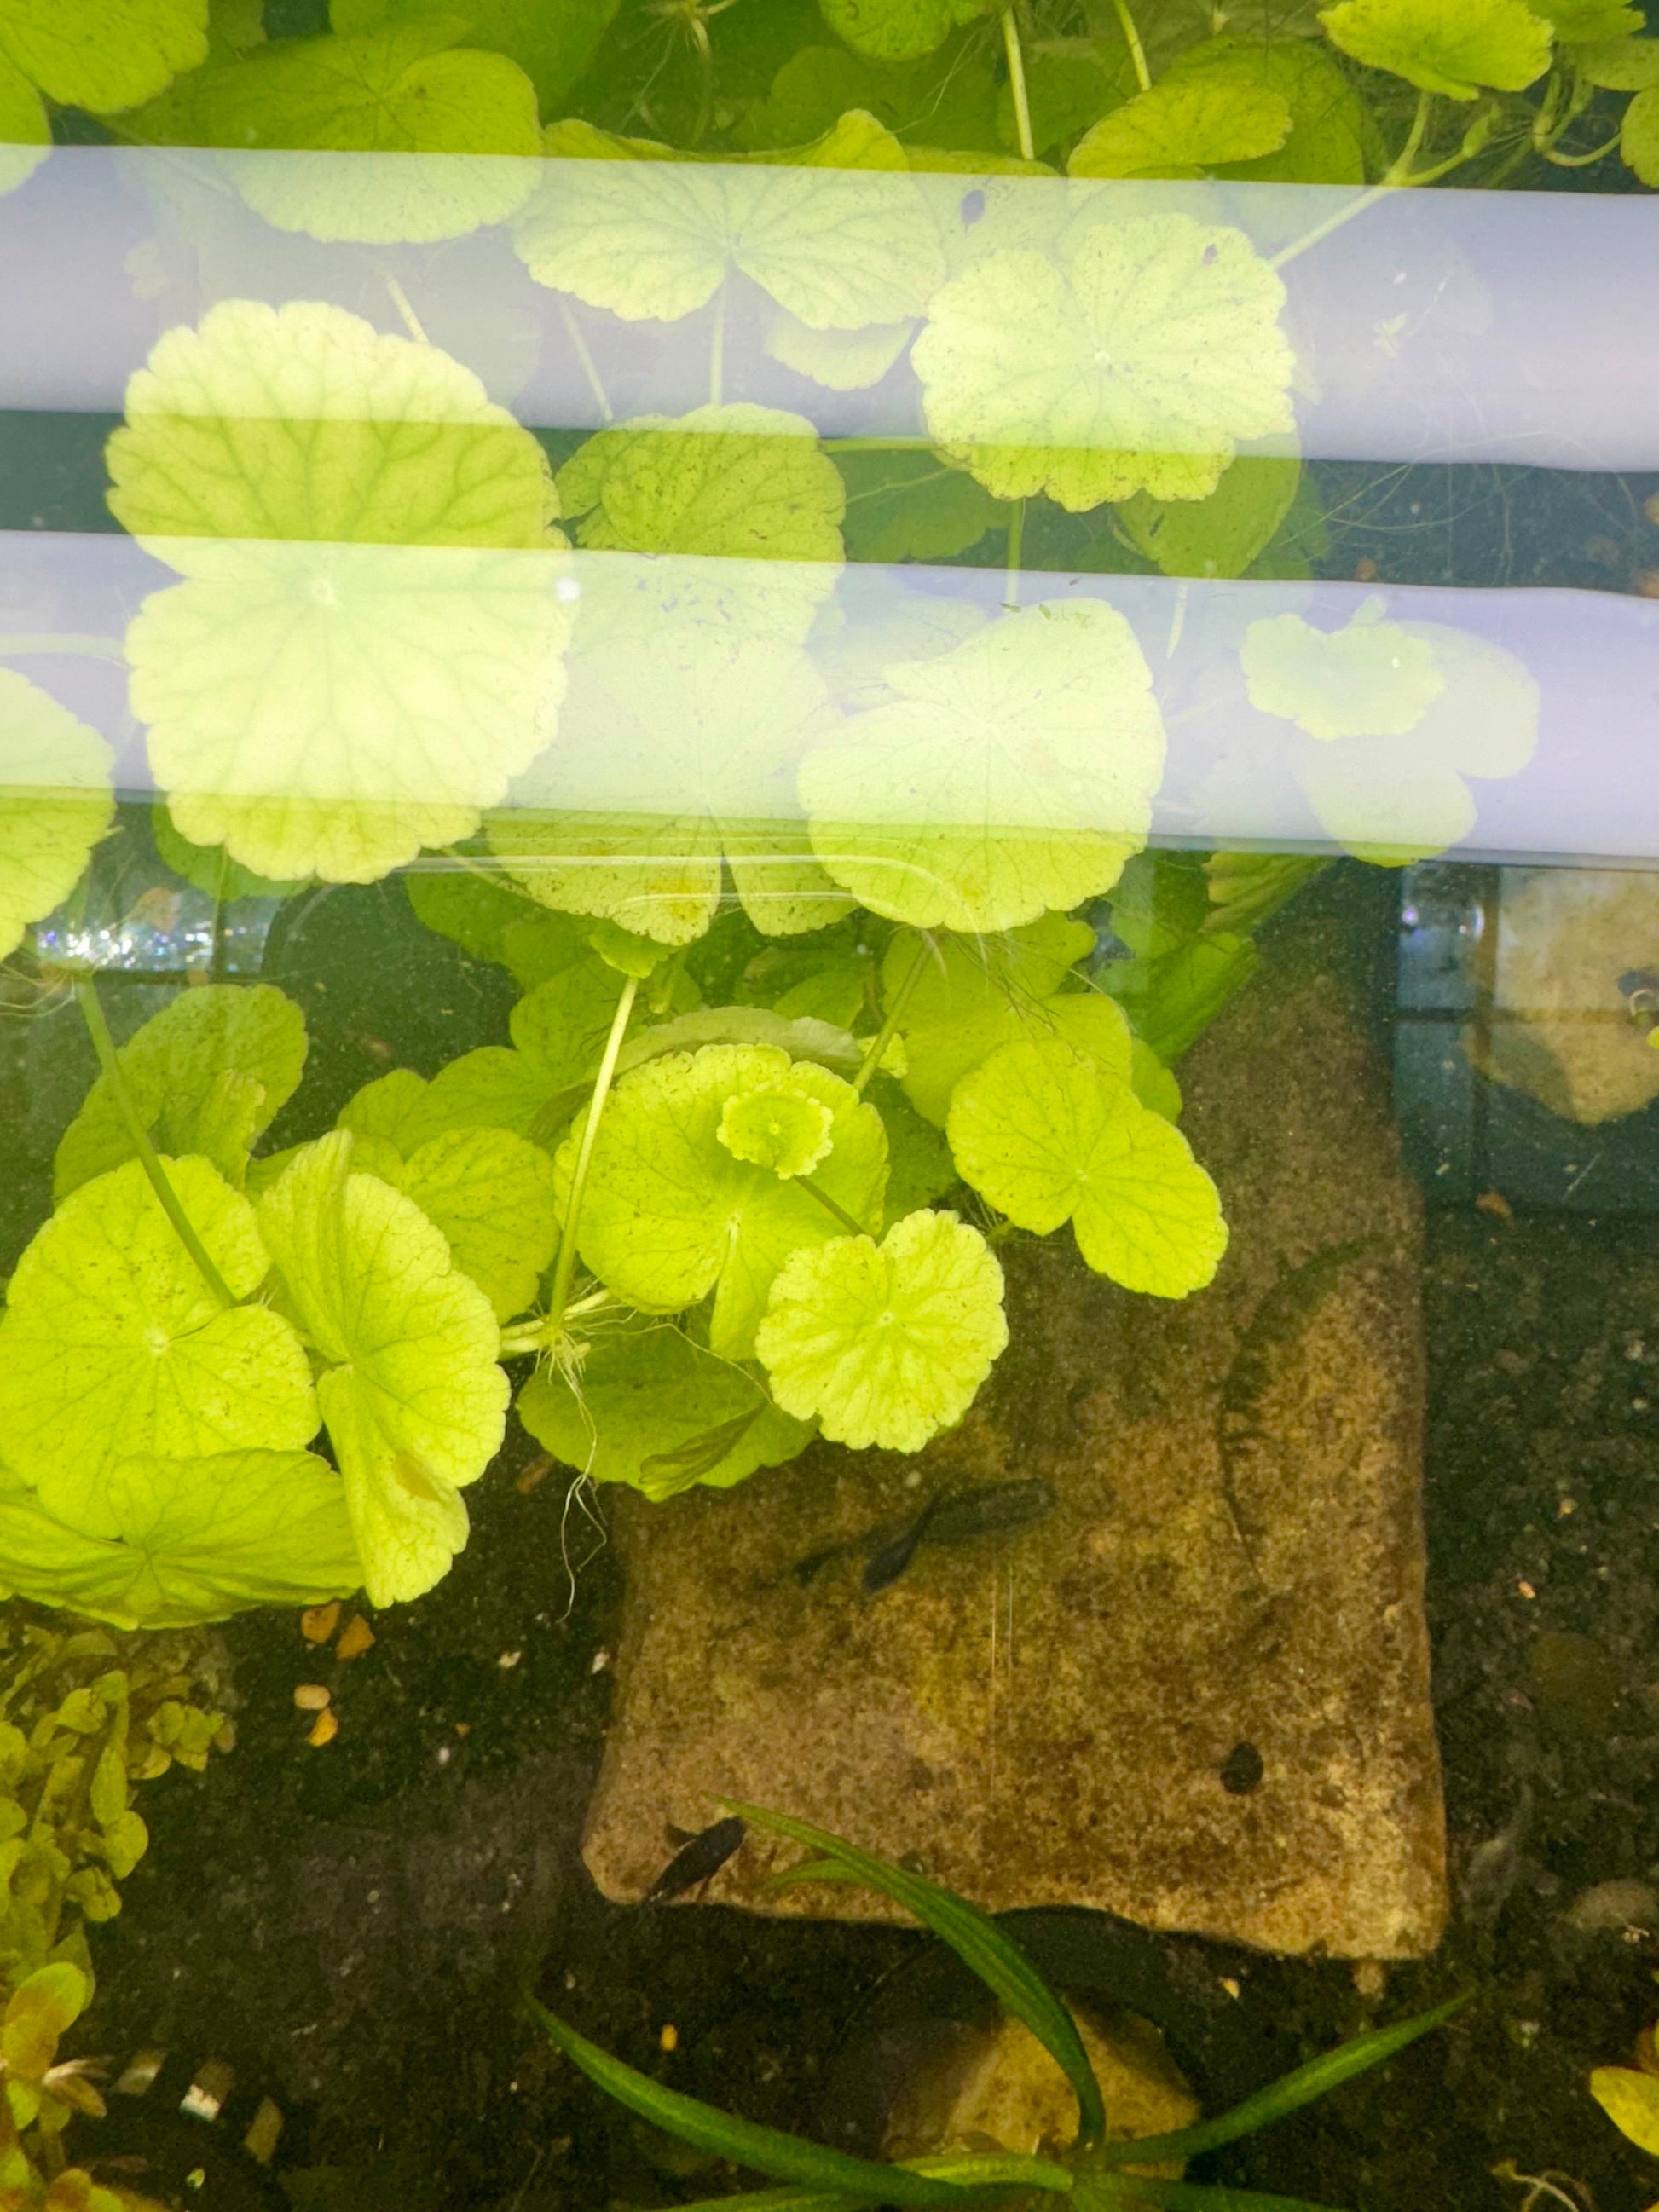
1631,2102
1011,776
1048,1135
1371,678
208,1074
55,802
1457,52
898,30
671,1213
885,1343
113,1345
1128,355
652,1409
972,995
414,1401
104,55
1177,129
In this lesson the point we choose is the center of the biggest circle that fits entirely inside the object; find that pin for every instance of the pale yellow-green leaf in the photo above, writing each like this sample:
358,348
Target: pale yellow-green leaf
670,1214
841,236
1638,136
410,1392
1371,678
1619,65
678,749
114,1345
491,1193
1455,50
1011,776
1048,1135
55,802
885,1344
782,1126
975,994
25,127
1131,355
840,361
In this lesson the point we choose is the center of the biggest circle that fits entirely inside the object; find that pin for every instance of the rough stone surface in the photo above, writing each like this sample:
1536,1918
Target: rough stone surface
1235,1560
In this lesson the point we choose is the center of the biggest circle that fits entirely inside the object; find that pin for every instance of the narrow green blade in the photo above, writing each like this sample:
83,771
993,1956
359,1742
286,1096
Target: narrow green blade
767,2150
1130,2189
978,1942
1288,2094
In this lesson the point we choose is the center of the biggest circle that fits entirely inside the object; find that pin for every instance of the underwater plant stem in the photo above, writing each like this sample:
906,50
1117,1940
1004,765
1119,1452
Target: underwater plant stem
1583,160
1400,170
1016,548
564,1269
876,445
1398,179
109,1060
64,641
411,321
884,1035
1132,40
589,366
717,350
1012,47
832,1205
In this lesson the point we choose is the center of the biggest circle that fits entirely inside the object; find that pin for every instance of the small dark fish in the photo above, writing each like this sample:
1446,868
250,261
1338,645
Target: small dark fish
958,1516
698,1859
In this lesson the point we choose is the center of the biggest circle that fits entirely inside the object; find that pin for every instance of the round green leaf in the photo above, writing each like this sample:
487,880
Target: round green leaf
112,1345
653,240
1331,127
210,869
304,421
1619,65
737,482
25,127
651,1408
1631,2102
408,90
1587,22
104,55
1219,536
885,1344
328,708
552,45
194,1539
1011,776
42,2006
1455,50
413,1399
1177,130
1132,355
491,1193
974,994
175,1067
1638,136
1371,678
898,30
678,751
669,1214
1048,1135
55,802
783,1127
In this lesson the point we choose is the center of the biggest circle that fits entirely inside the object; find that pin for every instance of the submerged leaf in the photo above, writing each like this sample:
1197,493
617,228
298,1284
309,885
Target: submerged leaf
112,1345
1454,50
1371,678
782,1127
191,1540
414,1400
1638,136
885,1344
552,45
176,1066
411,89
669,1214
1177,129
1631,2102
654,239
1219,536
491,1193
651,1408
972,995
1011,776
1048,1135
55,802
1130,356
1331,127
104,55
42,2006
898,30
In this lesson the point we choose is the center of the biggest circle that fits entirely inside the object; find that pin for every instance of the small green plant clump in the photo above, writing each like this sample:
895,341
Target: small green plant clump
85,1716
1097,2172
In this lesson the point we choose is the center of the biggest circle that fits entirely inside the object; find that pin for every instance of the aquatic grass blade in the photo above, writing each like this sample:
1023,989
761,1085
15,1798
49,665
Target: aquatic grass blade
1288,2094
978,1942
744,2142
